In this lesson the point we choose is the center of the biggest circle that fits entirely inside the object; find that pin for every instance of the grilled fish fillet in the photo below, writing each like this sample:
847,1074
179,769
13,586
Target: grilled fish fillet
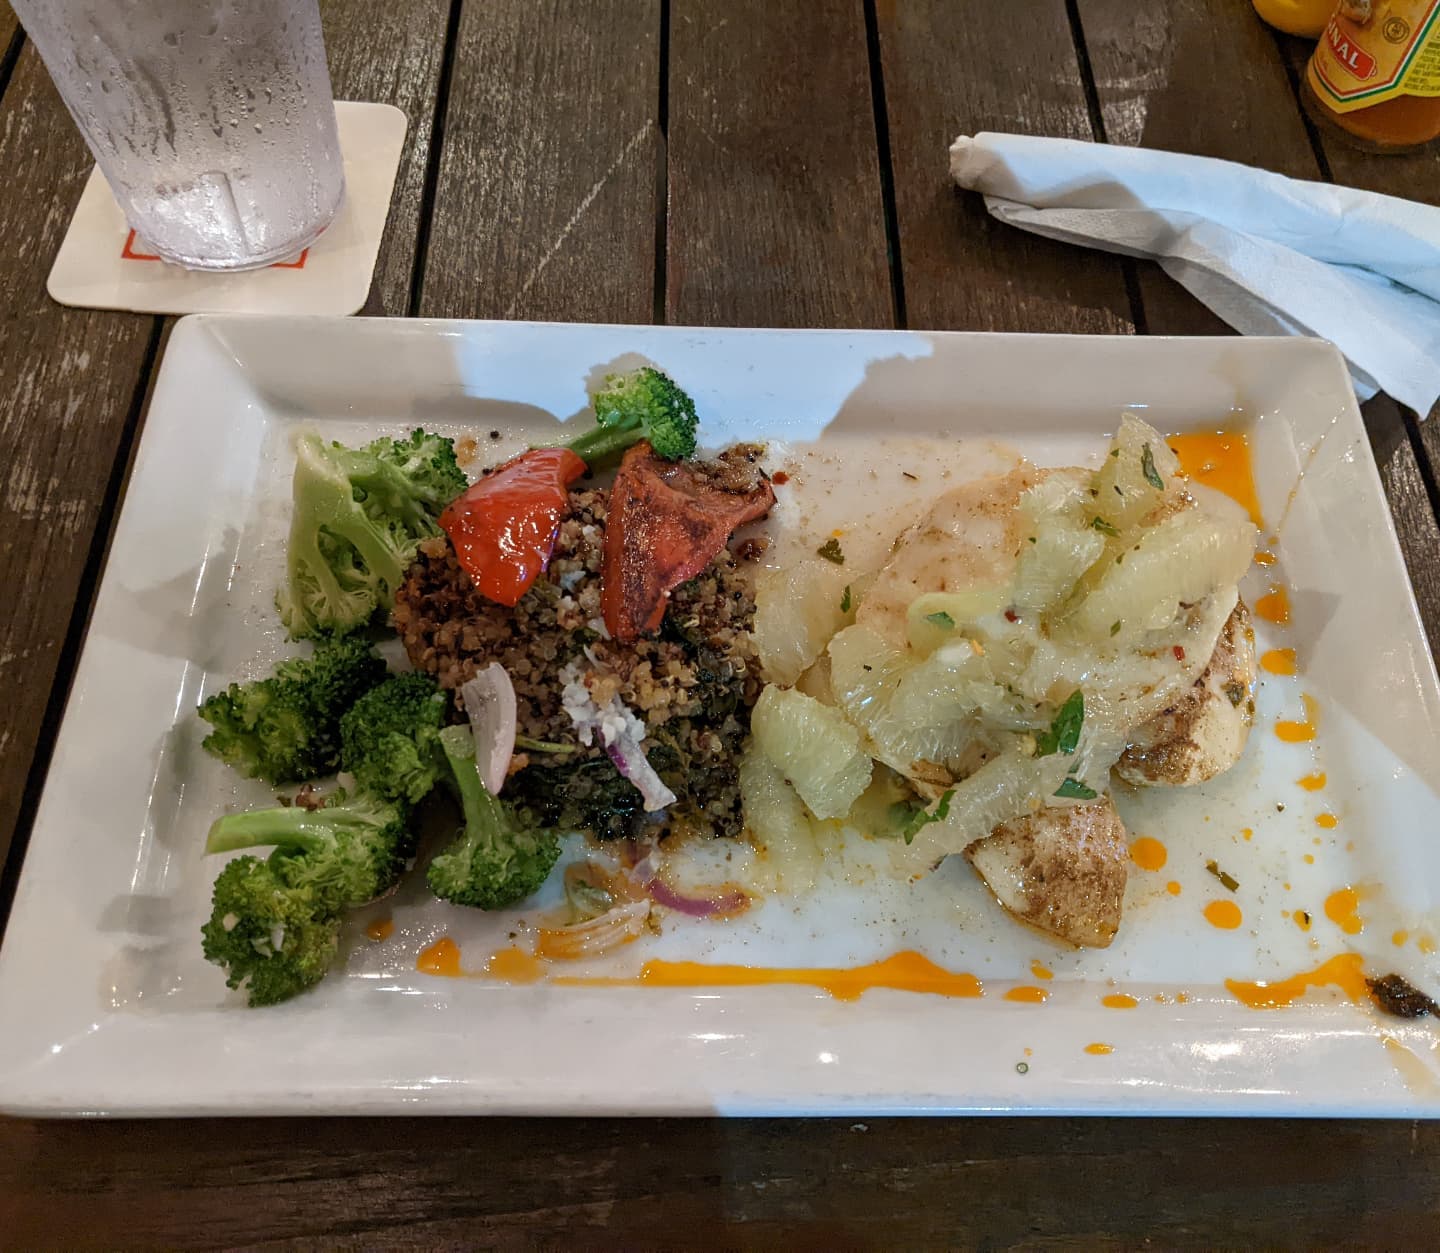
1203,734
1061,870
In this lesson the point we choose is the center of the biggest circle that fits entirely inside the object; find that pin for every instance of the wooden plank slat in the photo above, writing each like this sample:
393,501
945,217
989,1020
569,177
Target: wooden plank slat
392,54
776,213
962,269
689,1183
546,199
1148,61
68,380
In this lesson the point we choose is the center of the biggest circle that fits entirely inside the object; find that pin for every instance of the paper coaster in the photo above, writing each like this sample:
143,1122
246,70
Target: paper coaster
103,264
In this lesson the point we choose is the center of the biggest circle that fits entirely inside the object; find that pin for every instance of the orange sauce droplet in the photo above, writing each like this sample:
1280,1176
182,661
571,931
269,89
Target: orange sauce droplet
1173,887
1262,558
1148,853
1341,907
1041,972
1182,998
440,958
1399,938
1247,833
1224,914
1309,859
381,929
1028,995
1328,821
1426,944
1274,606
1300,732
1342,971
1312,782
514,965
906,972
1220,459
1099,1050
1302,919
1119,1000
1278,661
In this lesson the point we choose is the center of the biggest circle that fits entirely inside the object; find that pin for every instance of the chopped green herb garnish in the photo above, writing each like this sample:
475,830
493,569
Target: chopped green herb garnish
1064,732
845,600
544,746
1073,789
1147,466
941,619
1114,452
1229,881
1103,527
830,550
913,818
1115,627
1236,693
1032,539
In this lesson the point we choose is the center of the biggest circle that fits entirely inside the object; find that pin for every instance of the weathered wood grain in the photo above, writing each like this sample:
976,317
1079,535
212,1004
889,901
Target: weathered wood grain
807,1184
68,380
952,70
546,199
776,216
392,54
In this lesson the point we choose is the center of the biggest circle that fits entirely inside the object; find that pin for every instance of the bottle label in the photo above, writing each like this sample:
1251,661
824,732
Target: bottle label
1375,50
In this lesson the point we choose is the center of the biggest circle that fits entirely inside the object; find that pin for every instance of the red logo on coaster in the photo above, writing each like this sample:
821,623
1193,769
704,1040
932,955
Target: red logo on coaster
130,253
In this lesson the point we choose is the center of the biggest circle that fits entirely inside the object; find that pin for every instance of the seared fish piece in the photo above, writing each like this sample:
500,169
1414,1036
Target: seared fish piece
1203,734
1062,870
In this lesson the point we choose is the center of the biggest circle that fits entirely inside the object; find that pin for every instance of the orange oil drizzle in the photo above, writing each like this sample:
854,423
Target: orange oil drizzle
1328,821
1342,971
1312,782
1173,887
1041,972
440,958
381,929
1220,459
1274,606
1341,907
1278,661
1119,1000
1148,853
906,971
1224,914
1028,995
1099,1050
515,965
1399,938
1300,732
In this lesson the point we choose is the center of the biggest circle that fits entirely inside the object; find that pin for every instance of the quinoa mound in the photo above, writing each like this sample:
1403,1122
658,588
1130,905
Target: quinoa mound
692,683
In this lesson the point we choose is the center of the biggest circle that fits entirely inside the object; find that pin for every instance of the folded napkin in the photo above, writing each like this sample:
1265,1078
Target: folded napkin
1270,255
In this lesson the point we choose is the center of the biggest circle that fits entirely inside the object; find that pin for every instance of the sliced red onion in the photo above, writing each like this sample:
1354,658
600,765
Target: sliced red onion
728,902
490,705
629,759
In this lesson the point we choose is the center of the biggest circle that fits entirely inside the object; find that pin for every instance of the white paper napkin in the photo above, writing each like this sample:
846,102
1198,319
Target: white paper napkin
1270,255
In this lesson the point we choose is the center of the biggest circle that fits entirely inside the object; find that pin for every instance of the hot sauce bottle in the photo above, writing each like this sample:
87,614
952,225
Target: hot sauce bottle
1375,74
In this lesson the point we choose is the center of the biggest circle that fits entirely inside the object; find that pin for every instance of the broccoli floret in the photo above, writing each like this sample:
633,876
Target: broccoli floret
273,939
358,516
389,738
286,728
643,404
345,853
496,860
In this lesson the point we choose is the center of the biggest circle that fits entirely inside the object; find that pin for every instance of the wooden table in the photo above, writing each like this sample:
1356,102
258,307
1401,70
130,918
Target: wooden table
737,162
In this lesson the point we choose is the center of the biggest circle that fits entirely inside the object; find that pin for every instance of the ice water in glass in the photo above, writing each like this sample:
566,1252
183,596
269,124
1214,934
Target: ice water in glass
212,120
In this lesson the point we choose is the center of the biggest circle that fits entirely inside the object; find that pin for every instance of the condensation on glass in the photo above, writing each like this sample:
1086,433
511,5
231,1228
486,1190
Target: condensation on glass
212,120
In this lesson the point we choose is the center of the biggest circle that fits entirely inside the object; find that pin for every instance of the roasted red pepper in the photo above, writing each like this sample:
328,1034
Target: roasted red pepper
667,521
503,527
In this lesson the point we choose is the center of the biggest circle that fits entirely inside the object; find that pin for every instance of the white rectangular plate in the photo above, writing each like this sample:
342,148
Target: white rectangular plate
109,1008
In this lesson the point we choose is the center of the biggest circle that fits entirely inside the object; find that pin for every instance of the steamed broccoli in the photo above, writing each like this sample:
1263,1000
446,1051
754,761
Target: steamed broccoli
345,853
358,517
273,939
390,737
643,404
496,860
287,728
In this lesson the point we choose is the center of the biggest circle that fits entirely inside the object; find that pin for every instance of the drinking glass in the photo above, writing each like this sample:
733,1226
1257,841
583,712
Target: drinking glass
212,120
